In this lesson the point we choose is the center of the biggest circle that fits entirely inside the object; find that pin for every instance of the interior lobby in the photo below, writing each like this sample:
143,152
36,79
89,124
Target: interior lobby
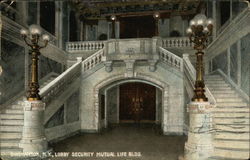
125,80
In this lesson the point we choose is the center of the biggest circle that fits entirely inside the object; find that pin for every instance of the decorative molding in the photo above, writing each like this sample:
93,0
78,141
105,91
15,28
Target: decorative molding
129,68
108,66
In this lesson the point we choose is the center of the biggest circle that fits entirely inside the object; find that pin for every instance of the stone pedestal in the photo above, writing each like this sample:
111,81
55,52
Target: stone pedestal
33,138
200,141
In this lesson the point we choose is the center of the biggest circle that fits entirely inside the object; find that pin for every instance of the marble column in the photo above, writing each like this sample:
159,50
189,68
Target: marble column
215,19
33,136
228,62
38,13
59,23
22,8
239,63
199,145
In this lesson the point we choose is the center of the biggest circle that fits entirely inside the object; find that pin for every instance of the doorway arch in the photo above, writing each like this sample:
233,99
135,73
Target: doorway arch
120,79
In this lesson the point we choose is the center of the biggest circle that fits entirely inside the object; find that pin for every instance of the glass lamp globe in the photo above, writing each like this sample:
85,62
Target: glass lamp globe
24,32
200,19
35,29
210,21
45,37
192,22
189,30
113,17
156,15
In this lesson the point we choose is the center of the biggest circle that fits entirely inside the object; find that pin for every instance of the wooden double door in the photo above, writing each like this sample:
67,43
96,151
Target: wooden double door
137,102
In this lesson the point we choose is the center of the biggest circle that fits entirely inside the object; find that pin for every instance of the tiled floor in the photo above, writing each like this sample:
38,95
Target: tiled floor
145,142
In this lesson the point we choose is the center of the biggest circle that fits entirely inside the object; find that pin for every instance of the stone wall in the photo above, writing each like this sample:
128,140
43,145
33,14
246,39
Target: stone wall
220,62
112,105
57,119
47,65
72,109
12,61
234,62
165,77
245,64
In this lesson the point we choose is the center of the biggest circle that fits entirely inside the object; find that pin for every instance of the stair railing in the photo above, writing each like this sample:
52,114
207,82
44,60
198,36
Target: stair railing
93,60
171,59
61,83
190,75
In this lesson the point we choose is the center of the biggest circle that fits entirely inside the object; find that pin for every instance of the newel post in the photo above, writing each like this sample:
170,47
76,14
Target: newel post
33,136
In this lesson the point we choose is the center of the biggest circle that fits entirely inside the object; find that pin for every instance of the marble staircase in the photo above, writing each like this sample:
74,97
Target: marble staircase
231,121
11,122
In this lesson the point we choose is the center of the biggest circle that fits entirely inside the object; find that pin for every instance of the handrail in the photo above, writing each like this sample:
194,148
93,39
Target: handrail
67,76
171,58
93,60
61,82
191,72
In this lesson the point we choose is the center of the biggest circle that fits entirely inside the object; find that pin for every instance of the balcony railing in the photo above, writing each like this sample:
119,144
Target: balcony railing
129,46
176,42
84,46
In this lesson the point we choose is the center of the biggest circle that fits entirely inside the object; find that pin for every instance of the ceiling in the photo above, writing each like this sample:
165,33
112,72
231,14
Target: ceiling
101,9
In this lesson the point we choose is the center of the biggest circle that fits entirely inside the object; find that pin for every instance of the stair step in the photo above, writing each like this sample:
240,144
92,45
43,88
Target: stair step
222,92
232,136
231,114
229,100
12,111
16,106
231,153
231,109
11,128
227,95
231,144
11,122
231,120
217,84
10,135
236,104
7,151
220,89
9,143
232,128
11,116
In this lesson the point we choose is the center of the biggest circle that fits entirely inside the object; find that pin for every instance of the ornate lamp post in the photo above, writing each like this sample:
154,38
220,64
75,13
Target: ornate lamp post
31,38
199,31
156,17
113,19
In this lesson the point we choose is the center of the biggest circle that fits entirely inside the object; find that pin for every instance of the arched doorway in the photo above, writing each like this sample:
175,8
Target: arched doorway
130,101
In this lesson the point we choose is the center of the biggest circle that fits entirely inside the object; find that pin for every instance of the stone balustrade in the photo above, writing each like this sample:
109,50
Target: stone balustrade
93,60
60,83
129,46
171,58
176,42
84,46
